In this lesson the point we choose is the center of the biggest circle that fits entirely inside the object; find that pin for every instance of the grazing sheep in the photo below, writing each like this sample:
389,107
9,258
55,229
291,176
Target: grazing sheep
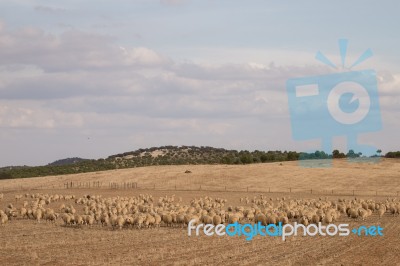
353,213
105,219
216,220
67,219
120,222
138,221
327,219
362,213
180,219
167,219
315,219
78,219
233,219
50,217
24,212
89,220
38,215
381,211
261,218
11,212
157,220
303,220
206,219
3,219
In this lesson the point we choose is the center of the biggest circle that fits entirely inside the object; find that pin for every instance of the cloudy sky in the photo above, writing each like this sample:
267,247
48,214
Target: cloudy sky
94,78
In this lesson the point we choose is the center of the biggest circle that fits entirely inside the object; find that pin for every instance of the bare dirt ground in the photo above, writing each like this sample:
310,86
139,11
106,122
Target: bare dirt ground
26,242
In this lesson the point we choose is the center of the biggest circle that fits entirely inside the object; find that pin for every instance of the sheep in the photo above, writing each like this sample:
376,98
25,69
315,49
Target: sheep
327,219
105,219
24,212
89,220
315,219
120,222
50,217
206,219
138,221
157,220
10,211
3,219
353,213
167,219
78,219
147,221
261,218
216,220
29,214
362,213
67,219
38,215
233,219
381,211
394,210
189,217
180,219
129,221
272,219
303,220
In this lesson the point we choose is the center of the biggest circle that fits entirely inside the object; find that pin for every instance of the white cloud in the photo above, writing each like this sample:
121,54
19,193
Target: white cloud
93,85
12,115
73,50
143,56
49,9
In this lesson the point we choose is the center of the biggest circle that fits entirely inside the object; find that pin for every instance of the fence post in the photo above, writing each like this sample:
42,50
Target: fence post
376,192
290,190
332,191
247,189
225,188
311,191
269,190
353,192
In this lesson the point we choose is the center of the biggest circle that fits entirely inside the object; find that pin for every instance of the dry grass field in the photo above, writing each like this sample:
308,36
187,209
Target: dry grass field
27,242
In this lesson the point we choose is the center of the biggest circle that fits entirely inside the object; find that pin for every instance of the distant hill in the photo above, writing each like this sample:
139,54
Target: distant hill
67,161
164,155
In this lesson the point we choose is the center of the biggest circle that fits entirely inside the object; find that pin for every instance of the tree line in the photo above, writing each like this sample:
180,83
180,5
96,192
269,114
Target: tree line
173,155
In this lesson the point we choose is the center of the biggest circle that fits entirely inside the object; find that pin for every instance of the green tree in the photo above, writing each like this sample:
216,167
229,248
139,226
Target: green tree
336,154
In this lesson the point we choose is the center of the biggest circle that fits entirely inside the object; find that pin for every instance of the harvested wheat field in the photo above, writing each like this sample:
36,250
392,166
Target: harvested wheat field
44,223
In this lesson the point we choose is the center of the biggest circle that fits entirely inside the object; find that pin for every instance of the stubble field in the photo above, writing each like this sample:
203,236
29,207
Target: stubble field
27,242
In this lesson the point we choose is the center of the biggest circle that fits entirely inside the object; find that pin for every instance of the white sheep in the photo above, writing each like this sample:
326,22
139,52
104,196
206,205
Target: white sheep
3,218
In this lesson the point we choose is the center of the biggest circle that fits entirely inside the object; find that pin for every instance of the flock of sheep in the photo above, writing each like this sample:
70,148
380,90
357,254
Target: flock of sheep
144,211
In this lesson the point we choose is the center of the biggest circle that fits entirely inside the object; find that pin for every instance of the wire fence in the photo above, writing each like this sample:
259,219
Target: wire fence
202,187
